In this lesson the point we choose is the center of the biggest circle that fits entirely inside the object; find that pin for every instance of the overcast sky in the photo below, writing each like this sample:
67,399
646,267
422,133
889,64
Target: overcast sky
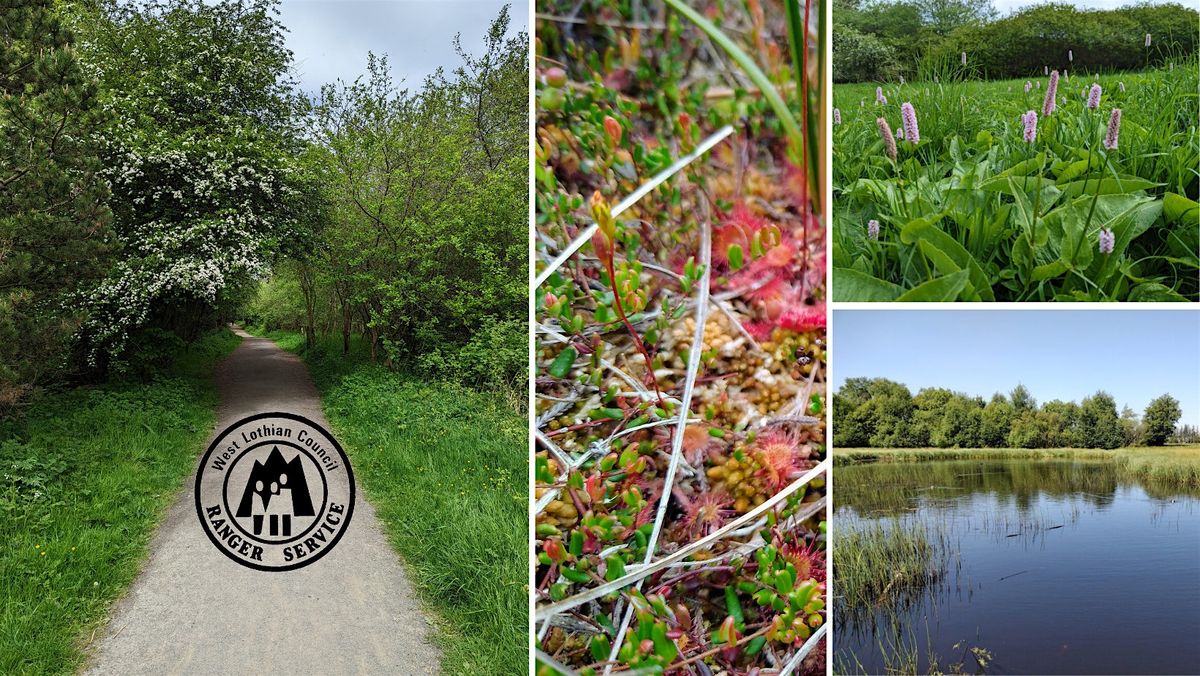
331,38
1009,6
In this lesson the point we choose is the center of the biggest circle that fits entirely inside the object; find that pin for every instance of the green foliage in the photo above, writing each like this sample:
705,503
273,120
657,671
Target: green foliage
85,475
54,220
445,467
879,413
423,247
200,157
1017,45
1161,416
859,57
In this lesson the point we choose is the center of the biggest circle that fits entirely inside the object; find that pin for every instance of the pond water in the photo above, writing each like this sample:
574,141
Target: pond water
1053,567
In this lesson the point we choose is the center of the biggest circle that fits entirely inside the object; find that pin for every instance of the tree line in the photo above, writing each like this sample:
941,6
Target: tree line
880,413
160,170
882,40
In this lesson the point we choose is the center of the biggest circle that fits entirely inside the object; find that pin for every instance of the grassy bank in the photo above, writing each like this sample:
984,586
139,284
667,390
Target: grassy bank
85,475
445,467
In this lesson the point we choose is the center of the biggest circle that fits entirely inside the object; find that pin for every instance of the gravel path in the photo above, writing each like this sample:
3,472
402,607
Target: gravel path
194,611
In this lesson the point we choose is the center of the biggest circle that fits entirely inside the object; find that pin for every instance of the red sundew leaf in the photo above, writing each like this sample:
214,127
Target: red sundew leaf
804,318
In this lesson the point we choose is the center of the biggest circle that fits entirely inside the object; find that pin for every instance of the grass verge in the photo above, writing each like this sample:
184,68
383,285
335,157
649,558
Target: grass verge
85,476
1174,465
445,468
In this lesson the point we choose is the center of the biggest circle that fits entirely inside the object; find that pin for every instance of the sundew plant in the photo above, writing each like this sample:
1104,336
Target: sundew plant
680,339
1065,185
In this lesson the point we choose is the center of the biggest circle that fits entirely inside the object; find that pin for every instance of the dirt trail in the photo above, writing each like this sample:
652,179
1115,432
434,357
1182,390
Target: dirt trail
194,611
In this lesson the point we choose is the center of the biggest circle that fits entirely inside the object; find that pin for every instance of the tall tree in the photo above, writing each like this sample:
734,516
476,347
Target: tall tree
1161,416
54,221
1099,425
201,159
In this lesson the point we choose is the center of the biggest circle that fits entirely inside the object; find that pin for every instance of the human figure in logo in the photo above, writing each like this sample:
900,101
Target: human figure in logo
258,509
281,489
281,506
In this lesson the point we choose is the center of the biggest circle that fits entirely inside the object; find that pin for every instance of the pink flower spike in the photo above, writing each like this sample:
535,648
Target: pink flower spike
1048,103
964,58
1030,120
1147,41
909,114
1093,99
1028,86
1114,130
1121,85
1070,56
879,97
889,141
1107,241
837,116
873,229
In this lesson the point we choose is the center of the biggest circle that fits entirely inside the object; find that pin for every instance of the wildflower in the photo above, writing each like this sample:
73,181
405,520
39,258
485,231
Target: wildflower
964,58
889,141
1028,86
909,115
1066,75
1107,241
837,116
873,229
879,97
1147,40
1093,99
1045,70
1121,85
862,103
1114,130
901,79
1038,84
1051,94
1070,56
1030,120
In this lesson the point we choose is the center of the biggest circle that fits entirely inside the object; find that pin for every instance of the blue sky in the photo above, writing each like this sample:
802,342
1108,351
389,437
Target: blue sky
1134,355
331,38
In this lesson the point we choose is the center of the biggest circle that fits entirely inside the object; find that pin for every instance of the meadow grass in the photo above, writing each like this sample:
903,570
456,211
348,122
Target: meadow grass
85,476
445,468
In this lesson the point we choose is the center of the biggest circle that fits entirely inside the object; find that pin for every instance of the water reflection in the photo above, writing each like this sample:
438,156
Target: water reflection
1054,566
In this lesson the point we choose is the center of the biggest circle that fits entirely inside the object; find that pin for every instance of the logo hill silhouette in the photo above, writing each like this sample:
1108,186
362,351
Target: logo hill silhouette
271,471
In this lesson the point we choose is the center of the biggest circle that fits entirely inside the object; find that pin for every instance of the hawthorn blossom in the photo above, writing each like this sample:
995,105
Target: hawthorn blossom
1114,130
1051,94
1107,241
879,97
873,229
1093,99
889,141
909,116
1030,121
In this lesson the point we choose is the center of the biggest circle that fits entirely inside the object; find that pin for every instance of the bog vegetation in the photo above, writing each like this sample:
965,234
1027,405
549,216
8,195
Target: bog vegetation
680,364
880,413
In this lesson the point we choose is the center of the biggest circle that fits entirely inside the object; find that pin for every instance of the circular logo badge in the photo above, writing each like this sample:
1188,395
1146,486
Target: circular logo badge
275,491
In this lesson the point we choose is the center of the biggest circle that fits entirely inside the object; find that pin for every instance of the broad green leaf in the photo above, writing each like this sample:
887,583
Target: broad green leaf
939,290
1154,292
949,247
1128,217
851,285
1107,186
1049,270
1003,184
1180,210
